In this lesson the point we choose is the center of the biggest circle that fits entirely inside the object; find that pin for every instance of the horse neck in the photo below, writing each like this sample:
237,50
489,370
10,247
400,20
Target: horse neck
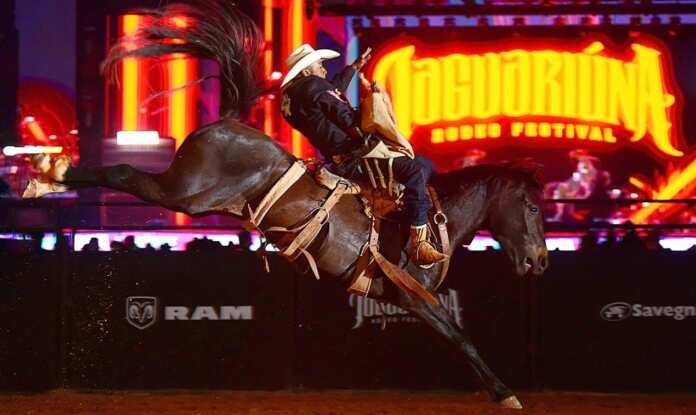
466,210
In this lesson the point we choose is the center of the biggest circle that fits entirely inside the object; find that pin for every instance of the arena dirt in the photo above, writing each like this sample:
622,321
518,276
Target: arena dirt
335,403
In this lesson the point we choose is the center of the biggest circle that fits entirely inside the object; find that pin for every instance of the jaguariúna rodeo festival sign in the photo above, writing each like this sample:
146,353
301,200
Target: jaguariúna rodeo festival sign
549,94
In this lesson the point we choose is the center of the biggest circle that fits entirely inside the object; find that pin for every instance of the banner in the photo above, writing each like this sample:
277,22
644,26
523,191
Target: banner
603,109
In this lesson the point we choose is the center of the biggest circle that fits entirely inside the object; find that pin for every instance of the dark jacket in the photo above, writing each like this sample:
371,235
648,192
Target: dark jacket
319,109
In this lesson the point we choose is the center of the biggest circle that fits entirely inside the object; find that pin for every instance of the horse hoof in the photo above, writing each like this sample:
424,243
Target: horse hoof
511,403
37,188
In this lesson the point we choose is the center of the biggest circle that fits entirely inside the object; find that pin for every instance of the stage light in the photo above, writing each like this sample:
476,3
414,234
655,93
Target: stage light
13,151
73,132
125,138
275,75
34,128
52,137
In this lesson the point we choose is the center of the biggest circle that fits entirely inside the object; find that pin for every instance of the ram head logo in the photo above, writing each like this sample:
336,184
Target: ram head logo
141,312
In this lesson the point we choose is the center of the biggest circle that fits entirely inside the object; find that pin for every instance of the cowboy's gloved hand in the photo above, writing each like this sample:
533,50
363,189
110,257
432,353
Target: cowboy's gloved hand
362,60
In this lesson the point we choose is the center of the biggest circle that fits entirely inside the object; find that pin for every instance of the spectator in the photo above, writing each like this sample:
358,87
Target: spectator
116,246
652,241
589,240
631,239
62,243
610,240
245,240
92,246
129,244
165,247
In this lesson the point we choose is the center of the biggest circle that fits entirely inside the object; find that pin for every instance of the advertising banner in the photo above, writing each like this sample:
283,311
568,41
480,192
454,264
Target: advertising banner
193,320
341,343
604,109
627,322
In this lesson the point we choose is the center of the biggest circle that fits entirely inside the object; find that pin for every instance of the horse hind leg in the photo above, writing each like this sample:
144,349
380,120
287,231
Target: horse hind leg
59,176
179,192
439,319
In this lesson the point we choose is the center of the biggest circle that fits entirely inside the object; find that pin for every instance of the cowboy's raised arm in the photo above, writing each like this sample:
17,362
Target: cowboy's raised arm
343,78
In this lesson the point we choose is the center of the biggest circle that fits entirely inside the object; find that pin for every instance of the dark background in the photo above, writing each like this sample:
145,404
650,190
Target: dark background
63,324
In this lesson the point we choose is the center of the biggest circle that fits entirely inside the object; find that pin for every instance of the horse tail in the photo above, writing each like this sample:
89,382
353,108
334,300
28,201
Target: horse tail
213,29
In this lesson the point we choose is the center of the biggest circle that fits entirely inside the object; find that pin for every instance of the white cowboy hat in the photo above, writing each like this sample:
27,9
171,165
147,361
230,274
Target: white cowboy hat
302,57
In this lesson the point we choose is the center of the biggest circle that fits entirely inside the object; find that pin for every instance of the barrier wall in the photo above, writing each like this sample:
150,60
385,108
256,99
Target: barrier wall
601,320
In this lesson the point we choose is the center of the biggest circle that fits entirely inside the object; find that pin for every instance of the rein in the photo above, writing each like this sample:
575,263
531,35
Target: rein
440,220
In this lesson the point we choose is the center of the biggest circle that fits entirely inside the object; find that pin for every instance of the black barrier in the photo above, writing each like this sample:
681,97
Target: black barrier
601,320
30,324
341,343
180,320
619,320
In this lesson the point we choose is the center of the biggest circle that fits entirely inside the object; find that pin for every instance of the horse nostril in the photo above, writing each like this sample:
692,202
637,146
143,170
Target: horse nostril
543,261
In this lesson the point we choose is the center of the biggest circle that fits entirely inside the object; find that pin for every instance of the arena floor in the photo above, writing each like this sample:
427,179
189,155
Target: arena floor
335,403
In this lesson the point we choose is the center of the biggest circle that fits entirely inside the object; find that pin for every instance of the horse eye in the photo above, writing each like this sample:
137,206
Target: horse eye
534,209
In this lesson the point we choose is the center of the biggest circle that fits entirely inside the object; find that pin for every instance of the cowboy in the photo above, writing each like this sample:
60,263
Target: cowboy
319,109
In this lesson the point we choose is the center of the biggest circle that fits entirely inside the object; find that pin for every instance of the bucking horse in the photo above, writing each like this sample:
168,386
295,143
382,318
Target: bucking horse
229,168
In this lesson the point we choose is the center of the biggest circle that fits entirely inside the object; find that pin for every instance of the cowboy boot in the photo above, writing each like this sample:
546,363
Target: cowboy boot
422,251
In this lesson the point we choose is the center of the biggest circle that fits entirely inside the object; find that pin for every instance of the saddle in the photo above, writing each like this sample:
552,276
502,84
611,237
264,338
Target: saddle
376,205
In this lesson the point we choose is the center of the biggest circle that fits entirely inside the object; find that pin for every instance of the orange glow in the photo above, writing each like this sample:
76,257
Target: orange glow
181,108
566,92
677,182
296,39
178,109
36,131
131,74
268,62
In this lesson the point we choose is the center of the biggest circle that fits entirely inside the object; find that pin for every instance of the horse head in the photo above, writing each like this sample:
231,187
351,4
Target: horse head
515,218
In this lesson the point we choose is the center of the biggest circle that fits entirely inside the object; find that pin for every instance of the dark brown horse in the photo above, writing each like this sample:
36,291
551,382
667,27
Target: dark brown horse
221,166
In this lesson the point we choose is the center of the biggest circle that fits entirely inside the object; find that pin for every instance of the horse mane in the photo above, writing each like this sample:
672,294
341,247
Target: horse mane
499,175
215,29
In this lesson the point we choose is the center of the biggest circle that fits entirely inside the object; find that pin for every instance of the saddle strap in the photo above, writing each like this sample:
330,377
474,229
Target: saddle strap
440,220
398,276
286,181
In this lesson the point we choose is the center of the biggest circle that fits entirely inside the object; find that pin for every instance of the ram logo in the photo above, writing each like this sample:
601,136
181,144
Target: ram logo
616,312
141,312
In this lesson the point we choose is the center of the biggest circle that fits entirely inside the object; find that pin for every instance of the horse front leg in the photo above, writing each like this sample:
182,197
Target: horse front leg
439,319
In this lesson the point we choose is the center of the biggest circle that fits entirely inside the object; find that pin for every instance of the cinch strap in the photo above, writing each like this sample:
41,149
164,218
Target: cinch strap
440,220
